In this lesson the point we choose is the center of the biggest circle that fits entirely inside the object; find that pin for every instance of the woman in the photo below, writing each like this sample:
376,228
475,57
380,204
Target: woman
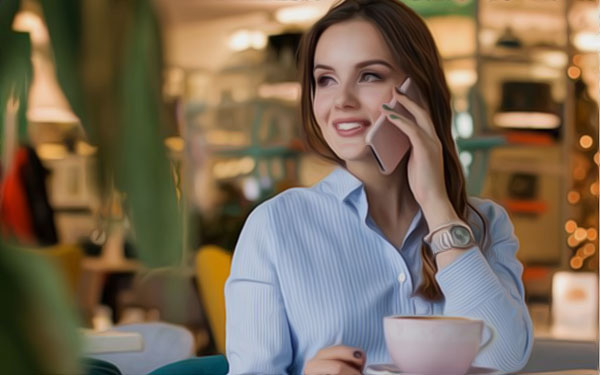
316,269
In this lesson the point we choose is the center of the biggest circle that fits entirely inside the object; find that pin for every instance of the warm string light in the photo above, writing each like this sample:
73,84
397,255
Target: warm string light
580,234
570,226
573,197
582,254
580,238
594,188
573,72
571,241
589,249
586,141
576,262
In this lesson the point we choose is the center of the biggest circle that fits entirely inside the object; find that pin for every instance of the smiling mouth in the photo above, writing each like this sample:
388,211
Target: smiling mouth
351,128
349,125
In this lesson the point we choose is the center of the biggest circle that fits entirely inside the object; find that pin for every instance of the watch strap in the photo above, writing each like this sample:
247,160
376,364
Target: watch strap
441,238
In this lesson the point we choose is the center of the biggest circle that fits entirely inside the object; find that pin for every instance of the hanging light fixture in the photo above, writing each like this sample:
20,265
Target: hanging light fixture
47,103
527,105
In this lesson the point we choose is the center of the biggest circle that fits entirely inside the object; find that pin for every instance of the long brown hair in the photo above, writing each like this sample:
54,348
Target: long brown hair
414,50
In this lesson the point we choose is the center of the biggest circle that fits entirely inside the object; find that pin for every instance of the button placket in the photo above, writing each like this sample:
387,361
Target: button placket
422,307
401,277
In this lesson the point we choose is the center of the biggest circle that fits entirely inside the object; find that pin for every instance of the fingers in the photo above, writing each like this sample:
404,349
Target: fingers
353,356
338,359
405,124
420,114
330,367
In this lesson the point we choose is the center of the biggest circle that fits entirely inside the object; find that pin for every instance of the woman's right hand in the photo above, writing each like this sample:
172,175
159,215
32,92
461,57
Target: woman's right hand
337,360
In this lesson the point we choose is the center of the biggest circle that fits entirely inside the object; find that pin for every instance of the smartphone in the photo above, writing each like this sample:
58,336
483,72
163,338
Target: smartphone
388,143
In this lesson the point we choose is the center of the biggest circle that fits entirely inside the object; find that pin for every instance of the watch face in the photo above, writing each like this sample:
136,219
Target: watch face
460,235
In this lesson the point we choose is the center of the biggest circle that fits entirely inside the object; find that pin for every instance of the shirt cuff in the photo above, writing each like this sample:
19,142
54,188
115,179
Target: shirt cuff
468,282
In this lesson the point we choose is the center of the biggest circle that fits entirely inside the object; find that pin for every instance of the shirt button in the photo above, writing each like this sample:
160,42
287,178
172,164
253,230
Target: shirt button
402,277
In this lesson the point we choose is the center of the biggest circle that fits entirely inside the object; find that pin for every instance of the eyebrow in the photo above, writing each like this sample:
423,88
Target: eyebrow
359,65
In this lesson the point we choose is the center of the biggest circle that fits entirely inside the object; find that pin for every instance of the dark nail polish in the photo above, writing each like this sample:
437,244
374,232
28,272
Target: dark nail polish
357,354
387,107
394,117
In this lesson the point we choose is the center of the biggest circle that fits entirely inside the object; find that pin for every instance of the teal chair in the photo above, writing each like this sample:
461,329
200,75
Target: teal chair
93,366
209,365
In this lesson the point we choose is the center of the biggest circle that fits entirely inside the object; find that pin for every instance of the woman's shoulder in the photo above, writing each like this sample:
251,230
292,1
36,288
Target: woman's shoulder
491,210
290,201
497,220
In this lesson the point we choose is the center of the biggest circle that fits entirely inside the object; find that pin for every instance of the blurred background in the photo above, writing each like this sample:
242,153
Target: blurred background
136,137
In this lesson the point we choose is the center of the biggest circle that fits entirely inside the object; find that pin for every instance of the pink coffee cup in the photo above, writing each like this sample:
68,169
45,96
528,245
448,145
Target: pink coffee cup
434,345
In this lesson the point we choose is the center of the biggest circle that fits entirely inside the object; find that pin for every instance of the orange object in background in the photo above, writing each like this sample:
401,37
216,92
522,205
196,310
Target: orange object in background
525,206
529,138
67,260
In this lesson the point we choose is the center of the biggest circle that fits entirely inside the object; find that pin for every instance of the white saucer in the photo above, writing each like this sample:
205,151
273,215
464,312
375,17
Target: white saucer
390,369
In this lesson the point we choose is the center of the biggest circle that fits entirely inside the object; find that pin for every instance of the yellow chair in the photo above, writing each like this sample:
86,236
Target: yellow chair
66,259
213,264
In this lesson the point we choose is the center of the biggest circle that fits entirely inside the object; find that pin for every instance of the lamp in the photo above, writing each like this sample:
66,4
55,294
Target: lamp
527,105
508,39
49,112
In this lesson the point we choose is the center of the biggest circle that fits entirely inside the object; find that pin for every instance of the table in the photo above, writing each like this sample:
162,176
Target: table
95,270
110,341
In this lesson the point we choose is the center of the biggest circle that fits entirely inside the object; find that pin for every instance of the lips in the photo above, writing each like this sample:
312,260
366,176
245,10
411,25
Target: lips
350,127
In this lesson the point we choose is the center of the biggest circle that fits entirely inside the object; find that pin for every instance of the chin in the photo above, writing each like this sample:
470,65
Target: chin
354,154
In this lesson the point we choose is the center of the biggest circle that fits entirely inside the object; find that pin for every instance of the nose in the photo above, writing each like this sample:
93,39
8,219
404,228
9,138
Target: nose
346,97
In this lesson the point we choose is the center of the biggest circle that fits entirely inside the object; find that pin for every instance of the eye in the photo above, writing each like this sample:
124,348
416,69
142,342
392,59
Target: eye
324,80
371,77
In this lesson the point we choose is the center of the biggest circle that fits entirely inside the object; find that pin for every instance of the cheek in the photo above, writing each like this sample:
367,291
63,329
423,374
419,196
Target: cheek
321,109
373,99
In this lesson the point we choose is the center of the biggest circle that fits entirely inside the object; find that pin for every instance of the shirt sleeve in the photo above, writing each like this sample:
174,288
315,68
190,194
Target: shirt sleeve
257,338
487,285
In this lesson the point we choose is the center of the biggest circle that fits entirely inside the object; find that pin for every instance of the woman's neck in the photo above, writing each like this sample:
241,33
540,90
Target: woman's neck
391,201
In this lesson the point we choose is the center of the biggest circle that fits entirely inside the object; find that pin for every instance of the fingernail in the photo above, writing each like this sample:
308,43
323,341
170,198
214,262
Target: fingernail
387,107
394,116
357,354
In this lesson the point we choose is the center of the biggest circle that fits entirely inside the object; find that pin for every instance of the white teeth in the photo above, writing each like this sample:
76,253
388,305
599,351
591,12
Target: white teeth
349,125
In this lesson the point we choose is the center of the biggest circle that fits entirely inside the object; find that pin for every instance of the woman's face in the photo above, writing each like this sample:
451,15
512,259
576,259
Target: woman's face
354,73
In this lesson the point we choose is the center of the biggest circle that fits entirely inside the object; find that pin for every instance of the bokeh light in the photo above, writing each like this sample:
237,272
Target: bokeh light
589,249
573,197
571,241
580,234
570,226
573,72
592,234
586,141
594,188
576,262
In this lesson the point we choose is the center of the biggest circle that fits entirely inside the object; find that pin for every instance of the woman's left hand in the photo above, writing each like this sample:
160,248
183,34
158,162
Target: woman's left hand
426,162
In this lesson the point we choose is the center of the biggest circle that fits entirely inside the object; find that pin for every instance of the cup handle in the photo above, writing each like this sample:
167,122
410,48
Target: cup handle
491,336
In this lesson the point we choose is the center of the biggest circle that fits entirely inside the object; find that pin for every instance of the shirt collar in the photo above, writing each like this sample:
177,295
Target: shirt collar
342,183
349,189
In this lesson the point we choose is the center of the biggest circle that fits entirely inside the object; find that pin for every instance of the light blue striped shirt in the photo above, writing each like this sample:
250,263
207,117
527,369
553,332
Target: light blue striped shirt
311,270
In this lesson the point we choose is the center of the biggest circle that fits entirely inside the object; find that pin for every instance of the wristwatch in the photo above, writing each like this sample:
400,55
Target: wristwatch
450,236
